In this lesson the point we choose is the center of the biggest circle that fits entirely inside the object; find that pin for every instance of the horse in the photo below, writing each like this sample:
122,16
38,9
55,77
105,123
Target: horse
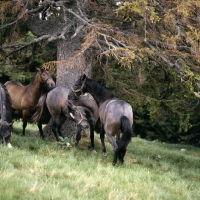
6,116
25,98
115,115
60,108
87,100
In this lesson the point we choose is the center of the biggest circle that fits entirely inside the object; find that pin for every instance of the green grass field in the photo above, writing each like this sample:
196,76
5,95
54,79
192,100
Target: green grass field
36,169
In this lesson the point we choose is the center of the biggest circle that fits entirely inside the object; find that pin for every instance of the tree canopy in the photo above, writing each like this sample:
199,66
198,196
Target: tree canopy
147,51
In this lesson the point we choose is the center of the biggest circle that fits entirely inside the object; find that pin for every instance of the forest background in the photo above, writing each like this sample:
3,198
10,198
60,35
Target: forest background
146,53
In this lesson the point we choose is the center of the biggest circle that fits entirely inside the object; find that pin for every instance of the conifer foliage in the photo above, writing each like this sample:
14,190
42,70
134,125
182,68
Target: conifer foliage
147,50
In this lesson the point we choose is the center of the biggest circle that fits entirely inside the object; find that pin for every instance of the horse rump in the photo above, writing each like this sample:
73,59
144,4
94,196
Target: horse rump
38,110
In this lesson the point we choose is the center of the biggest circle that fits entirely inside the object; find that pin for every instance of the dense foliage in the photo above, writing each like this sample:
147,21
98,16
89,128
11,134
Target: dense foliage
147,51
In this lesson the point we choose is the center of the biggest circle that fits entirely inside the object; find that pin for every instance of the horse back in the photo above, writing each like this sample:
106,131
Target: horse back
16,92
112,110
87,100
22,96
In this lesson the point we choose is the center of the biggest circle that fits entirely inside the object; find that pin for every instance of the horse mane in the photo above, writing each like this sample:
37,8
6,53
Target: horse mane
99,90
33,78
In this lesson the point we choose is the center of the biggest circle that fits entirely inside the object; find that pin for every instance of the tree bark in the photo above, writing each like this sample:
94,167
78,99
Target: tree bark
71,62
70,67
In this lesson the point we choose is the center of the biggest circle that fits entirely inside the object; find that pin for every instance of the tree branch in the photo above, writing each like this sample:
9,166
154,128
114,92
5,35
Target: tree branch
79,17
175,66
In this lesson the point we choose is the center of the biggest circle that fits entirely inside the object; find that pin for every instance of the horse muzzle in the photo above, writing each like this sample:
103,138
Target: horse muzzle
51,85
85,125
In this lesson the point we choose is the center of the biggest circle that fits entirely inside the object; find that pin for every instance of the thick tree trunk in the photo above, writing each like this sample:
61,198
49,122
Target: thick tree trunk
71,61
70,67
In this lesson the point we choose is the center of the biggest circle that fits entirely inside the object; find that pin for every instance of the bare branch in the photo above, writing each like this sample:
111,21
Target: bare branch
24,44
77,16
175,66
77,31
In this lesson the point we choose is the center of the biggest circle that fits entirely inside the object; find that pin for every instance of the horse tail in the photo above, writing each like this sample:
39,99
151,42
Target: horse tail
126,129
39,109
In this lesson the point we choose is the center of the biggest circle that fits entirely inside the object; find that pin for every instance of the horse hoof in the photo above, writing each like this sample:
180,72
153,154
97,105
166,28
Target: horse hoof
90,147
76,145
113,164
68,144
104,154
9,145
94,151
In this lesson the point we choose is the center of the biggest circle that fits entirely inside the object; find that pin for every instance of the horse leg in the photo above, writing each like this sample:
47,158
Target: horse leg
39,124
24,126
24,114
115,158
112,141
59,125
60,132
55,131
92,136
117,137
102,137
78,135
7,141
57,122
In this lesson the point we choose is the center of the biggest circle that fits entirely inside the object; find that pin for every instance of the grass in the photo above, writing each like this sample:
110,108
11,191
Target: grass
36,169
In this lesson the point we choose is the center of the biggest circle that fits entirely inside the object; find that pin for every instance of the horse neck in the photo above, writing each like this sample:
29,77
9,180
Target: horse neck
88,101
35,86
99,93
96,96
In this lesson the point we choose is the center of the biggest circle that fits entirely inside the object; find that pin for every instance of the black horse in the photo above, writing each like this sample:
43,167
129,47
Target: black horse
6,116
115,115
87,101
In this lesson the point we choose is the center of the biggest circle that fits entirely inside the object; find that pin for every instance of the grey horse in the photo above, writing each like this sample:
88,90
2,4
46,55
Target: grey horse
115,115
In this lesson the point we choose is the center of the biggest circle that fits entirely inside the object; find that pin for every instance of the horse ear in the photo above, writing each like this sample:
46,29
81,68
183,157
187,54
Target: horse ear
83,77
70,103
38,69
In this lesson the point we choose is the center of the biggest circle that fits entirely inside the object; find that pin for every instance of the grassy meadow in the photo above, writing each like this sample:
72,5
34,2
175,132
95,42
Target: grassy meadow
36,169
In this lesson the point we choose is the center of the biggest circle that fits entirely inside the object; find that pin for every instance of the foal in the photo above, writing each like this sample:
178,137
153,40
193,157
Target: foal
25,98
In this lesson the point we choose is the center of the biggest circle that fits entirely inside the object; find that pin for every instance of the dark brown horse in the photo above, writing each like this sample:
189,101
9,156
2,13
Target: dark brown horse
25,98
60,109
87,100
115,115
5,116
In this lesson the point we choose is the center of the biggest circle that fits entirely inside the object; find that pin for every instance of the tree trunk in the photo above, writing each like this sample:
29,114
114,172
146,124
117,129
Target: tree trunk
71,61
70,67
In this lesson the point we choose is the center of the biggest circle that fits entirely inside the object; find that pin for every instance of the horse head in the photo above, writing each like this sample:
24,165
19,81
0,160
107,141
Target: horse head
78,88
5,132
46,78
78,114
